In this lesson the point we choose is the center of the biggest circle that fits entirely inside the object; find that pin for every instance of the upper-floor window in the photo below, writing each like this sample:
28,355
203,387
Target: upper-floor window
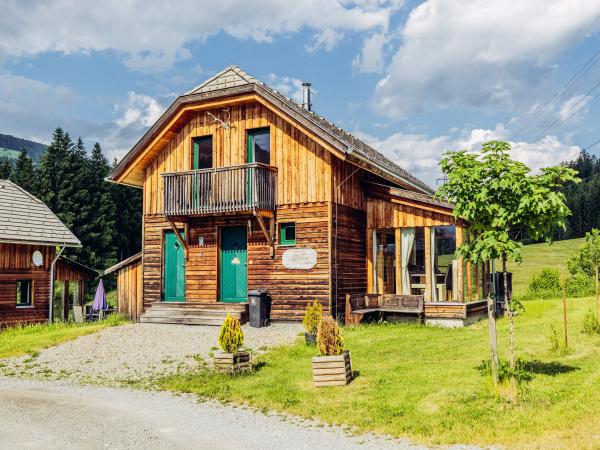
24,293
202,153
259,146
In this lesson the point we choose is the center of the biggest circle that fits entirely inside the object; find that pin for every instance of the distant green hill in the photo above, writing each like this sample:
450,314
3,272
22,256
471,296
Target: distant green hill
538,256
11,146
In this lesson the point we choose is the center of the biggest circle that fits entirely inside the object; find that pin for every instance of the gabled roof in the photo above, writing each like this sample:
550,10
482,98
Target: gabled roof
26,220
132,259
234,81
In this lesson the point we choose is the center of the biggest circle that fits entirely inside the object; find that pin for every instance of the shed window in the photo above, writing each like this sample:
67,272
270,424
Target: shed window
24,293
202,157
259,146
287,234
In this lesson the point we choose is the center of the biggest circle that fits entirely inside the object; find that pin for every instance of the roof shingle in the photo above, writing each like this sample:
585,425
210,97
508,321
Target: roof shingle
26,220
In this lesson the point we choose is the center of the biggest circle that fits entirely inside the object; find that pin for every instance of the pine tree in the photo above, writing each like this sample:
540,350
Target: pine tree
102,220
128,229
5,168
54,174
24,174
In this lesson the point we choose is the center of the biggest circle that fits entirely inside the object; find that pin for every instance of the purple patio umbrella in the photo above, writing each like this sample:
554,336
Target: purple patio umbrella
100,298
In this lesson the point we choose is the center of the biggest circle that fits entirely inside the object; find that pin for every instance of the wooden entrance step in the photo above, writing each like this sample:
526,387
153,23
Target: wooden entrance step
194,314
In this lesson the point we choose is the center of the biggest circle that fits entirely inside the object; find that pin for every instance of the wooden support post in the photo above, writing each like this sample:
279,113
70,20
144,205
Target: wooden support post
379,270
65,300
476,276
564,286
460,278
181,240
398,261
268,235
370,265
469,282
428,271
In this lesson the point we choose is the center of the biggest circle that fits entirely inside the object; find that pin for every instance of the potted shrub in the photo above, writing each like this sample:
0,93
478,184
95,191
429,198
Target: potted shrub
312,317
231,339
334,366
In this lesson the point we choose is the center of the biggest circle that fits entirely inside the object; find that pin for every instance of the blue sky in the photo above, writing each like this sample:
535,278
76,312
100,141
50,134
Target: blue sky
412,78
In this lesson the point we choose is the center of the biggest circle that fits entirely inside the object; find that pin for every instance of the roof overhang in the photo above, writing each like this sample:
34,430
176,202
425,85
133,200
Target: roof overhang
41,242
123,264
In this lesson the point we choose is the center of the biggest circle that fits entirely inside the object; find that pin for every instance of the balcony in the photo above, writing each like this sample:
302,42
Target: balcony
220,190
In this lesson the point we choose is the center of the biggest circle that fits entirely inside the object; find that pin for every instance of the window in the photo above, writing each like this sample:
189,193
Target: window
259,146
287,234
24,293
202,157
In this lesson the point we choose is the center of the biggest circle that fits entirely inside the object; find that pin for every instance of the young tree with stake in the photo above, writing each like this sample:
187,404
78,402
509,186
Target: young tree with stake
494,194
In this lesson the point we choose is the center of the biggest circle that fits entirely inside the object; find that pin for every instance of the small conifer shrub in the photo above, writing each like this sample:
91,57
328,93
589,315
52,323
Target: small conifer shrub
231,336
329,337
312,317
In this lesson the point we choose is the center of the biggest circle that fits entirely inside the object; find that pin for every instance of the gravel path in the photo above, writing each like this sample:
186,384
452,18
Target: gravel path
138,351
68,416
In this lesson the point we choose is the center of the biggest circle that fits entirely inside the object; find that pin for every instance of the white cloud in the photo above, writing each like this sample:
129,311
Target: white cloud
291,87
138,109
420,154
371,58
152,35
30,107
477,52
574,107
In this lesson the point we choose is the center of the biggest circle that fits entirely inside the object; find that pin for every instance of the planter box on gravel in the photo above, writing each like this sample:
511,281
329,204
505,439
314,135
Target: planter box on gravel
332,370
232,362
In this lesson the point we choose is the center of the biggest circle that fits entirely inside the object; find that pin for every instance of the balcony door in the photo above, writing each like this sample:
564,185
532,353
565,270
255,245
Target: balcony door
233,274
202,158
174,269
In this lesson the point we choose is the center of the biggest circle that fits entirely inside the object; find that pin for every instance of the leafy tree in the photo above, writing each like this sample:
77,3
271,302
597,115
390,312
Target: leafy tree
5,168
24,173
494,194
588,257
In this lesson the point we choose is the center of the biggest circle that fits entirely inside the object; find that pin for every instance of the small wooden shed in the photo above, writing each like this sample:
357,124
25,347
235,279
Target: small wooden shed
129,285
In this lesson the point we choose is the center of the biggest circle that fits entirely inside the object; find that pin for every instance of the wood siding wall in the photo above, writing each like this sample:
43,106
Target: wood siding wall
304,166
16,264
386,214
349,261
129,290
290,290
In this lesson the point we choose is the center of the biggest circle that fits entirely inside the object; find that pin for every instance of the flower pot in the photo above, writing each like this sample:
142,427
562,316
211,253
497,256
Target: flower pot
332,370
311,339
232,362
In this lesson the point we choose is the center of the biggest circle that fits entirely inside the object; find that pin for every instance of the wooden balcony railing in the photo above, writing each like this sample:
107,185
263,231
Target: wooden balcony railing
246,187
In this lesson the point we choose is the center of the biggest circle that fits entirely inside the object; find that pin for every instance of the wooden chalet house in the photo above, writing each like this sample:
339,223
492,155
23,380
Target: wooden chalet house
246,189
32,239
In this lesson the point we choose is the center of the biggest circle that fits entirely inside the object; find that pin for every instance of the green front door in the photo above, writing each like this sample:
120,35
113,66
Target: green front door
233,273
174,270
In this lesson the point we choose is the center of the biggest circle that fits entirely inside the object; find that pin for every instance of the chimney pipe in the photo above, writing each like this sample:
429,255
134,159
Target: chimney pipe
306,103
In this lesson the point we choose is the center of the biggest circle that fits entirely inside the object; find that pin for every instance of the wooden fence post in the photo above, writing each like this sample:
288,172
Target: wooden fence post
564,286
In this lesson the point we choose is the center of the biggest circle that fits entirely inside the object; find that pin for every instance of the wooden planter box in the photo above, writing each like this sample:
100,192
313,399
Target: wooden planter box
232,362
332,370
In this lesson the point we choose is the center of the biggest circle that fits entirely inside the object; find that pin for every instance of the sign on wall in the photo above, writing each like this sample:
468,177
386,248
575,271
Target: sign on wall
299,258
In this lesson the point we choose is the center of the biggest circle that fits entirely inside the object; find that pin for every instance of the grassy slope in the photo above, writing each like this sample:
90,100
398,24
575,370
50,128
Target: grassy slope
19,341
421,382
538,256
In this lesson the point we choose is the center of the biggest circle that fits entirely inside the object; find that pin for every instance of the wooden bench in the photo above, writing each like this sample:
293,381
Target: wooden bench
360,305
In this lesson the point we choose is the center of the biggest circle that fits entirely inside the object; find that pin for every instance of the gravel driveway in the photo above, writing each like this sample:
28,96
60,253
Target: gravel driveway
137,351
41,415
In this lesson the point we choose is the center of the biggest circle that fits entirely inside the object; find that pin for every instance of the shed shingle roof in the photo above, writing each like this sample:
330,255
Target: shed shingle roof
233,80
26,220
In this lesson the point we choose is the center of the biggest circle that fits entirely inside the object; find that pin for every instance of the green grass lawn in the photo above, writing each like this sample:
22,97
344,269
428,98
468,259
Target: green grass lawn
538,256
421,382
30,339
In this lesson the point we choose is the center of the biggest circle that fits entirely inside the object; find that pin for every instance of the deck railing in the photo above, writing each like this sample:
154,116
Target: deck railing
240,188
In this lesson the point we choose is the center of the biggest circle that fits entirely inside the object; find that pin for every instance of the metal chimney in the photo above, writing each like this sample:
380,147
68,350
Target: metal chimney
306,103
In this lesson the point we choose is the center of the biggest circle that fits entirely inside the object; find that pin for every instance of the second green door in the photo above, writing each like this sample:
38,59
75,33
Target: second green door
233,274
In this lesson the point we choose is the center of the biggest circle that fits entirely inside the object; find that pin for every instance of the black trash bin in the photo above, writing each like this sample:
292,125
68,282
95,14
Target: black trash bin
259,308
498,279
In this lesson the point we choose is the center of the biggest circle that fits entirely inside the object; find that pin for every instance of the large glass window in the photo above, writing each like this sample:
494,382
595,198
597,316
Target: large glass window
202,157
385,258
24,293
445,246
259,146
